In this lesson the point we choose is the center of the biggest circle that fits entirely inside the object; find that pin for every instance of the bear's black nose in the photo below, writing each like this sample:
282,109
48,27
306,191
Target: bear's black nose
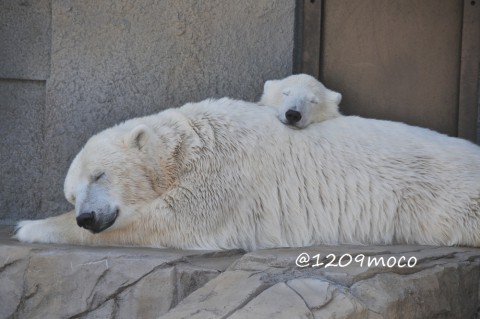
86,220
293,116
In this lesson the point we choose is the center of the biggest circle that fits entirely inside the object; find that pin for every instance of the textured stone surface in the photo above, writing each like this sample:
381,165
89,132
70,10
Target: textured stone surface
278,301
51,281
114,60
13,265
221,297
344,305
25,39
314,292
439,291
44,281
21,147
430,289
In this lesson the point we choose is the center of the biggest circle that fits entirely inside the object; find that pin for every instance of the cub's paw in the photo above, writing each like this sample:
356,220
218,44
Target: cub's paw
30,231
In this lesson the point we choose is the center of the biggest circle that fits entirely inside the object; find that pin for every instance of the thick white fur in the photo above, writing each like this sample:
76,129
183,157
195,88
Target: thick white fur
226,174
302,93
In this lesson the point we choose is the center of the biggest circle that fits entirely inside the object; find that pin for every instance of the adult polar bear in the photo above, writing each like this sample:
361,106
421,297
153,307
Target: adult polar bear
227,174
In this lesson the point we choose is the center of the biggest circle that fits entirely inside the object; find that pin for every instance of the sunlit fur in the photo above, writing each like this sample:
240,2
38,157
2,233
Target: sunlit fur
302,93
227,174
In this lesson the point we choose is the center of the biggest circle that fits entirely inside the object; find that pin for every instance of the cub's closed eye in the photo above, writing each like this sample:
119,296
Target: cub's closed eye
98,176
286,93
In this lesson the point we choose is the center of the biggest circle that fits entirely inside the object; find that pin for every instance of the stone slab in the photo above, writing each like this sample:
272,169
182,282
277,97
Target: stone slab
22,106
50,281
39,281
25,38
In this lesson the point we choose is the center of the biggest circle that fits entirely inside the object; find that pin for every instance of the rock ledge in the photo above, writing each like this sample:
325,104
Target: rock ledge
46,281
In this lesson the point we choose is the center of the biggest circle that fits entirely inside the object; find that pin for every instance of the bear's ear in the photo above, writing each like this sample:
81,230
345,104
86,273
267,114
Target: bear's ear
138,137
335,97
267,85
270,85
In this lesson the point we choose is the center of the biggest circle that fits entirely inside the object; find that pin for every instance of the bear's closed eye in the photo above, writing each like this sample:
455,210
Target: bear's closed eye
98,176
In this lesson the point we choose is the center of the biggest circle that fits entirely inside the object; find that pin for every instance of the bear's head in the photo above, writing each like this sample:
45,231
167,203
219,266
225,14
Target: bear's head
113,174
301,100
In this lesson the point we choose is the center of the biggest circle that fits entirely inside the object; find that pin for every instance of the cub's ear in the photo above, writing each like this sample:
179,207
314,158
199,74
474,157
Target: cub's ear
138,137
335,97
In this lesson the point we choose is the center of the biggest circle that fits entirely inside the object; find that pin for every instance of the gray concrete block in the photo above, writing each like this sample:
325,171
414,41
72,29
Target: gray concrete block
115,60
25,39
21,128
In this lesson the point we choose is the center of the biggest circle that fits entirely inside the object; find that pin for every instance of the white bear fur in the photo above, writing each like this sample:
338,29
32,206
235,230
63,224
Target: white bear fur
302,93
223,174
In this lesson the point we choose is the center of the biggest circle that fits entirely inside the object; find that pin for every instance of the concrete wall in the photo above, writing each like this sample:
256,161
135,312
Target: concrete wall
478,113
71,68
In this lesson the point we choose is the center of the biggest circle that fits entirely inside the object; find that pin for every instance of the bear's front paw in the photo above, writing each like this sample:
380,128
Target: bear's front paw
30,231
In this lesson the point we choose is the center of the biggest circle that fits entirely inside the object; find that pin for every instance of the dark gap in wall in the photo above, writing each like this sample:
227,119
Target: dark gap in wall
478,106
298,38
22,80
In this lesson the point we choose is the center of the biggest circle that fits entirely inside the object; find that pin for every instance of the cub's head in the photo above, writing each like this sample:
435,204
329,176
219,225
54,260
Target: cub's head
301,100
113,174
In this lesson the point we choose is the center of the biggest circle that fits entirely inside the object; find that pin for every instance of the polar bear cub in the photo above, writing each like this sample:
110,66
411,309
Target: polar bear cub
300,100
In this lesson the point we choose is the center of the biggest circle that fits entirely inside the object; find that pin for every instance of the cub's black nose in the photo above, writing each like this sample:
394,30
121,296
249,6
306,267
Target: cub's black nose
293,116
86,220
